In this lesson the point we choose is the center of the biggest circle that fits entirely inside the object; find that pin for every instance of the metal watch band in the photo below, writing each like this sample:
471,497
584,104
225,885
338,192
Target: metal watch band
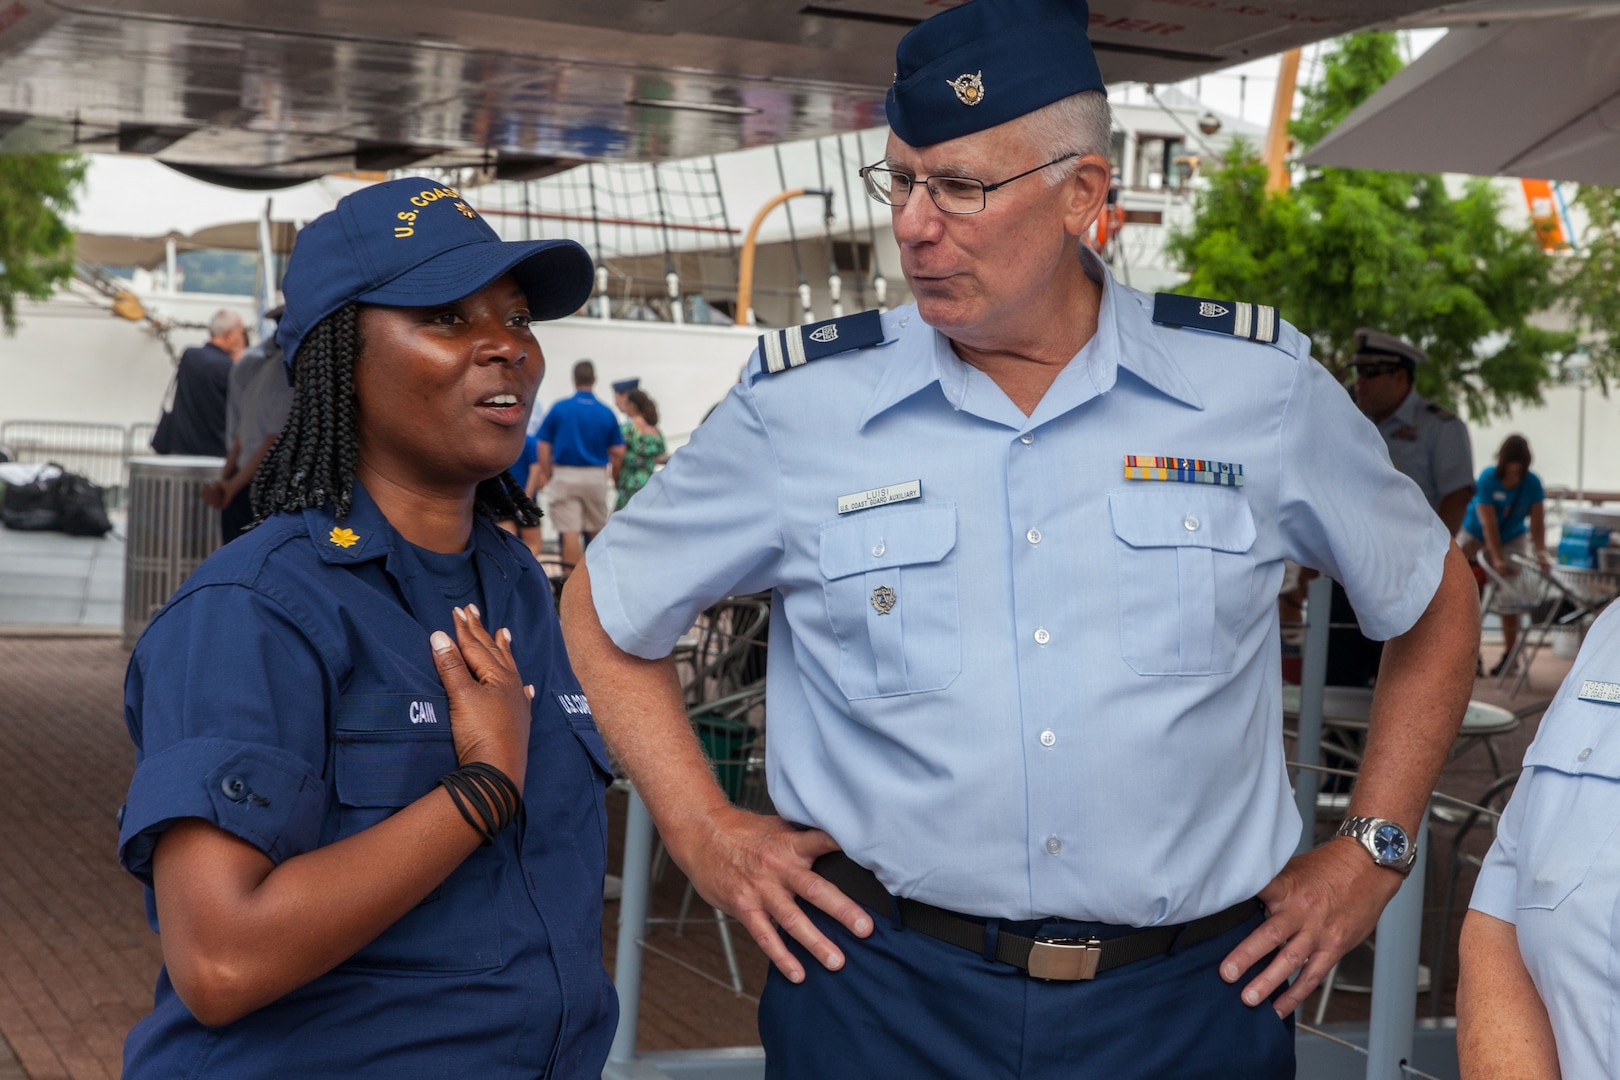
1361,829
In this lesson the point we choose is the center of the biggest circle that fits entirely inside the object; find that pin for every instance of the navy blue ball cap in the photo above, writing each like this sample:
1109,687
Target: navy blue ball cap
415,243
987,62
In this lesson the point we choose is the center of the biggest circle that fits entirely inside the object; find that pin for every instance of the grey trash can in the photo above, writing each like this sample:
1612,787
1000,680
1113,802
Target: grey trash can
170,532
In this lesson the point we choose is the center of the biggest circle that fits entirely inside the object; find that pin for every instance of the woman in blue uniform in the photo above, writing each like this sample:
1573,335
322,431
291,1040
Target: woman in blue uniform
367,803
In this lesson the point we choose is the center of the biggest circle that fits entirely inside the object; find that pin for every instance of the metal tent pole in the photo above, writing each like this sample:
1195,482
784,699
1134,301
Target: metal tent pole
1395,971
637,873
1313,674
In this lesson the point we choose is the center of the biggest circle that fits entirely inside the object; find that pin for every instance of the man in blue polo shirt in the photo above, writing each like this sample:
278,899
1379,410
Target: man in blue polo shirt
580,444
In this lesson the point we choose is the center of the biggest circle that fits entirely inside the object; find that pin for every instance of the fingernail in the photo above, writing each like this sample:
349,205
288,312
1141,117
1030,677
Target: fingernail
441,641
1229,972
1252,997
474,609
530,691
863,926
506,635
462,615
833,962
795,976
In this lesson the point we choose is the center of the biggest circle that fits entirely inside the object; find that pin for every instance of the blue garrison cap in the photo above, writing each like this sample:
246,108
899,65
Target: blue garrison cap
987,62
624,386
414,243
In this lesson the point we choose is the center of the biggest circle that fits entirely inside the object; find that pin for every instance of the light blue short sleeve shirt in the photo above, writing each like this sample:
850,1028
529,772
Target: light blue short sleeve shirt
1554,870
1037,688
1430,445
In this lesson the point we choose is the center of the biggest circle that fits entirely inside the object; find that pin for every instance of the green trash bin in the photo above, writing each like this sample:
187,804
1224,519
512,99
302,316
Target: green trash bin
725,740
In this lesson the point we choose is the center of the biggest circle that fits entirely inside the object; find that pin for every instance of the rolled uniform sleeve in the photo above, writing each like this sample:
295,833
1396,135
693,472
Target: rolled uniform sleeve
224,699
1346,511
706,526
1496,889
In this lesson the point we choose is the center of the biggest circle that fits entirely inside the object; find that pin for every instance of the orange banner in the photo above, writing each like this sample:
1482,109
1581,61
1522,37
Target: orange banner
1544,215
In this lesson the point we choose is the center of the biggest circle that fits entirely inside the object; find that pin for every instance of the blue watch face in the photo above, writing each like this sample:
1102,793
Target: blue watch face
1390,843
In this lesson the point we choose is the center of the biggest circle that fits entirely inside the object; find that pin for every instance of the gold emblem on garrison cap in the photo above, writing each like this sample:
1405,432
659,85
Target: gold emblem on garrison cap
969,88
344,538
883,599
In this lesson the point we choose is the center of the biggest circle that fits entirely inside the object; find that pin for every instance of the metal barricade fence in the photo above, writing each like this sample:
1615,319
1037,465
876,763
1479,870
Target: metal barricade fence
170,532
95,451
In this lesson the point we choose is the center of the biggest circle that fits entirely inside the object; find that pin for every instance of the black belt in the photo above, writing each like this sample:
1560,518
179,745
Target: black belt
1066,959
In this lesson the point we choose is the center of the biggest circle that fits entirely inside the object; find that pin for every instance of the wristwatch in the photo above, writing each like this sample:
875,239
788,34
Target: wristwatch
1384,840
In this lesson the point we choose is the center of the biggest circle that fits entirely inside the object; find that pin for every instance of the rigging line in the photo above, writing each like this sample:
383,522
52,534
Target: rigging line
793,239
826,217
725,214
596,220
663,221
871,225
849,206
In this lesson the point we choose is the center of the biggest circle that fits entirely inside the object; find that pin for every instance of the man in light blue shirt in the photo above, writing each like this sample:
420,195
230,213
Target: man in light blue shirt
1024,541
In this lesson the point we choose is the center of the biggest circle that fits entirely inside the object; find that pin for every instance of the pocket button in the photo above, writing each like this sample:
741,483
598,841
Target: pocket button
1190,523
1042,637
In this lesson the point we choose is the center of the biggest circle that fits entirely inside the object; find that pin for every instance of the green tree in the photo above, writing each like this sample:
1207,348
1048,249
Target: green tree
36,245
1594,282
1347,248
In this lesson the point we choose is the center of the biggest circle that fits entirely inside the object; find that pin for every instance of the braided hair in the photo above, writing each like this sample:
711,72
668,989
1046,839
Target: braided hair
313,463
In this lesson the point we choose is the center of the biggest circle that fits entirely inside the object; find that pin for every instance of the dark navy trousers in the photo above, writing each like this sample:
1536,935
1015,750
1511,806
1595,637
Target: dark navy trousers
908,1005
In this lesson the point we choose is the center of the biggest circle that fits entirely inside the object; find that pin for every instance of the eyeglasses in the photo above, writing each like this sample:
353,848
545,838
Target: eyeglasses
952,194
1373,369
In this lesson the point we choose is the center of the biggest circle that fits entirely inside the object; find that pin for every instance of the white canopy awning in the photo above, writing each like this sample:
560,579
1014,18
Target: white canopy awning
1531,98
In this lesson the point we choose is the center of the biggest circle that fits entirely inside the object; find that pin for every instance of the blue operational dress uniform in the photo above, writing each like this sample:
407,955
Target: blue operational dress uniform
288,695
1025,667
1554,870
1429,444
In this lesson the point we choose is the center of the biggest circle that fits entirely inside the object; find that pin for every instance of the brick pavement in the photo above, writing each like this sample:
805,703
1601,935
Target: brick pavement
77,961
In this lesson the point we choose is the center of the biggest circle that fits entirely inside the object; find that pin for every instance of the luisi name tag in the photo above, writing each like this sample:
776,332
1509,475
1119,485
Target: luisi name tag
883,496
1604,693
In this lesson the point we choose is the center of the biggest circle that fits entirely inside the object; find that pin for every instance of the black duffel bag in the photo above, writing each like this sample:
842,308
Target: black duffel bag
66,503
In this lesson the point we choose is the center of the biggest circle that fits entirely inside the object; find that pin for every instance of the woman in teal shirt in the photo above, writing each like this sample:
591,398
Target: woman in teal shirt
1506,517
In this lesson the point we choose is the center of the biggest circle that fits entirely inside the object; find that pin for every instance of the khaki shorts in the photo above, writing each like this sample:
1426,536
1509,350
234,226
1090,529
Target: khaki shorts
577,498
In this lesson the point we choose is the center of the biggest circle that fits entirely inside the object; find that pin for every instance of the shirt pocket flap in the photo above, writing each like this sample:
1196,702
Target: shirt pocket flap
591,738
879,541
391,748
1183,515
1582,741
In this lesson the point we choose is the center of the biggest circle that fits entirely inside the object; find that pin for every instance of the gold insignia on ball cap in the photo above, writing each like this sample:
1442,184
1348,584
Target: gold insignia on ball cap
969,88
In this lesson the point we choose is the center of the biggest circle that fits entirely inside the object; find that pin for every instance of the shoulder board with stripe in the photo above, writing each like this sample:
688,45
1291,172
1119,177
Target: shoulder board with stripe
1256,322
798,345
1442,412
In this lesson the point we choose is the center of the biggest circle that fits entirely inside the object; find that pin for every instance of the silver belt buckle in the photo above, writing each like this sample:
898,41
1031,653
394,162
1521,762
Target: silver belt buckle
1065,959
